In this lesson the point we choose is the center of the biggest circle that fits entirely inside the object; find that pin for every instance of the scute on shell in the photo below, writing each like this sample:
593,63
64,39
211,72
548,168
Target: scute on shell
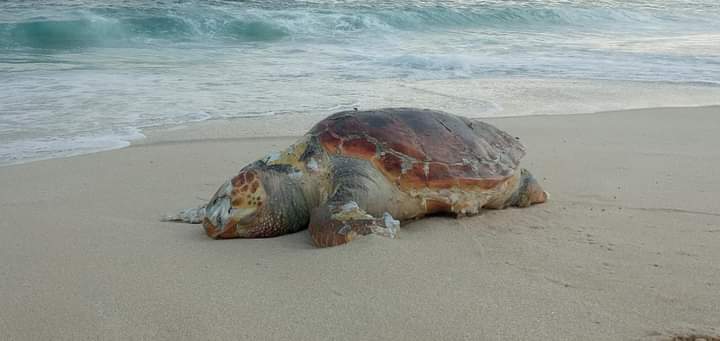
418,148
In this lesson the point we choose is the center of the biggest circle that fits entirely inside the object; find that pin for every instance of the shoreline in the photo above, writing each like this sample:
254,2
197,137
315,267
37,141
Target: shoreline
485,98
624,250
160,134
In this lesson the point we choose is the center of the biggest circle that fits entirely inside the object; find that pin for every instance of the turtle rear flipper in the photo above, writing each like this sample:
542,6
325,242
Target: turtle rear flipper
522,190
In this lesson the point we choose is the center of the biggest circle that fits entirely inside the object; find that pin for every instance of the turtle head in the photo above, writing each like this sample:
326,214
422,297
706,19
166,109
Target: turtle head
261,201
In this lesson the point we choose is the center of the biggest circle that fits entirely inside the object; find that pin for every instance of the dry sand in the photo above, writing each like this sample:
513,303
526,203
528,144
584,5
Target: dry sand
628,247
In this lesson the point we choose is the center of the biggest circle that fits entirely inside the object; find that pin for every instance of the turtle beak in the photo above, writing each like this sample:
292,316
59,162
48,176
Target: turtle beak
224,221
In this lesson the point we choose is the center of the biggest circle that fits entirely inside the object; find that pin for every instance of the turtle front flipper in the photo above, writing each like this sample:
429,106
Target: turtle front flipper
332,225
361,202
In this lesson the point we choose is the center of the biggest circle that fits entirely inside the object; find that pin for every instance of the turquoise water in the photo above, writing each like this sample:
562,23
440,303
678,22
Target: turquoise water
80,76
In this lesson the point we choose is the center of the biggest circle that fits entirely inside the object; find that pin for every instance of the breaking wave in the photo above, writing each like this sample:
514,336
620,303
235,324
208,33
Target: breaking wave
108,26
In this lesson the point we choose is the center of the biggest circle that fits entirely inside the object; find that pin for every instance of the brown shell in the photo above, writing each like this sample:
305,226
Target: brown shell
419,148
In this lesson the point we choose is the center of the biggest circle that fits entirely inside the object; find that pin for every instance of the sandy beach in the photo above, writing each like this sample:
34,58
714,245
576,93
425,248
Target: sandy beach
626,248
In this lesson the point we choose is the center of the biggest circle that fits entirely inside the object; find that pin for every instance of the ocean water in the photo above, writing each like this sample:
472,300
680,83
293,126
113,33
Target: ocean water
78,76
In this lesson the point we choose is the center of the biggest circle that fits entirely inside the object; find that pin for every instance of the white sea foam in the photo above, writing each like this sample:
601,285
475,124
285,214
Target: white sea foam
21,151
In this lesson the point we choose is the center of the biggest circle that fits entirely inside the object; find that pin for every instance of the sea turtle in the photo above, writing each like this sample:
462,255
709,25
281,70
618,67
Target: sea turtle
361,172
